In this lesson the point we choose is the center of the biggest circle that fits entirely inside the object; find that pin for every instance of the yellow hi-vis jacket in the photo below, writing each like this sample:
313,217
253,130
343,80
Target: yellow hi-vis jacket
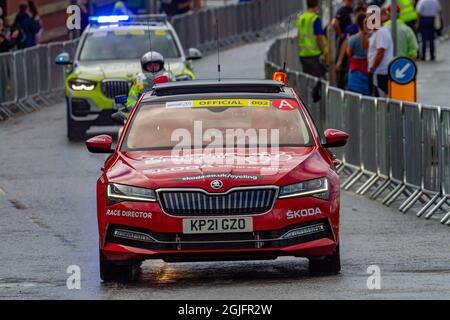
407,11
307,41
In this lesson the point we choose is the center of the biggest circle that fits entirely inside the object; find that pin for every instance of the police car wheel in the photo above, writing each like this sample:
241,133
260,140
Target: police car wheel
75,130
111,272
326,265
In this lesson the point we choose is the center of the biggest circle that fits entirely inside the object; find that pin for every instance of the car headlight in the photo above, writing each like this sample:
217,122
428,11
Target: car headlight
315,188
119,192
81,85
183,77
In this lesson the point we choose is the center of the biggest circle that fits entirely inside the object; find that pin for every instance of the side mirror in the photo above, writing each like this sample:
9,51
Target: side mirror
63,59
335,138
194,54
100,144
119,118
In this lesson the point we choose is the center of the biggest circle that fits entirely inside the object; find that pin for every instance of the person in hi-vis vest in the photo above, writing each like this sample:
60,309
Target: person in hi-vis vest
408,13
311,43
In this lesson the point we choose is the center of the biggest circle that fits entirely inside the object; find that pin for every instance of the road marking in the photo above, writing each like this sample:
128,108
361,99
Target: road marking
2,193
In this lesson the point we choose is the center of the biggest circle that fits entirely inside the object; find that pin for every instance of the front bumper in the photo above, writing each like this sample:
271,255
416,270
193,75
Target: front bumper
320,247
266,241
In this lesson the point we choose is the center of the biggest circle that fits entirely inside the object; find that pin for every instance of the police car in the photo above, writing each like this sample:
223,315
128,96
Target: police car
218,170
107,60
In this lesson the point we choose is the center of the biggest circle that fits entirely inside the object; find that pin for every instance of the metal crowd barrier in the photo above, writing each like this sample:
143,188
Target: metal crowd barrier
237,23
29,79
398,151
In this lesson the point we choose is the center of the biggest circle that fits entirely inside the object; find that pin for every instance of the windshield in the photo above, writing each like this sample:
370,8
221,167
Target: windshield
216,123
127,45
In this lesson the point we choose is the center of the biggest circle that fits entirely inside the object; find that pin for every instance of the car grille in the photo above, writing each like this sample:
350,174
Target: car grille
197,203
113,88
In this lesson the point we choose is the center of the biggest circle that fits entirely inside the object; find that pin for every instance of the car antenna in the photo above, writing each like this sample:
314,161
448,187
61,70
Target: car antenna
149,34
150,38
218,47
287,43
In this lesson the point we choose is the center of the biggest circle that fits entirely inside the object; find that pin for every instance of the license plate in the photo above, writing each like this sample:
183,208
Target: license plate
217,225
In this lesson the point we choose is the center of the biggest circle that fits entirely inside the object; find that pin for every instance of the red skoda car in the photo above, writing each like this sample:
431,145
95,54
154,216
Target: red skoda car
208,170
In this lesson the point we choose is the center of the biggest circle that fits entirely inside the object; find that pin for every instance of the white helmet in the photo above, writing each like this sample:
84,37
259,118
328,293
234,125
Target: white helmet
152,57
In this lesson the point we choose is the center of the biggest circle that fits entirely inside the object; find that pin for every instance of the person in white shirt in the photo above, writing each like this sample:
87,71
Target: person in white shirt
380,54
427,11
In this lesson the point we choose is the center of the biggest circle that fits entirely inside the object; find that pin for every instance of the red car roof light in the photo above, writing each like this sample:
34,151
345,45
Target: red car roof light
161,79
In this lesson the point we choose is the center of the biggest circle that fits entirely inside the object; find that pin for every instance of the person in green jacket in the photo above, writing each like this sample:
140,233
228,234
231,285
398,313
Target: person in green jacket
407,45
408,13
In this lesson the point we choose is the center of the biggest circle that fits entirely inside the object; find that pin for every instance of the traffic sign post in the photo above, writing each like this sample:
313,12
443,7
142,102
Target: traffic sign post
402,79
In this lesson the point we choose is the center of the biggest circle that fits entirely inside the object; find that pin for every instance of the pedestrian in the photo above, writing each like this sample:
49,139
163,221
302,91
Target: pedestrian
84,14
343,18
34,13
407,45
428,11
342,63
340,23
28,26
310,40
380,54
120,8
4,38
358,44
176,7
10,37
408,13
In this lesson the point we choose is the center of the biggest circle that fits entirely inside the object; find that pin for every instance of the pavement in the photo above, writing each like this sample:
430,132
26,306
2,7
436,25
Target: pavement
48,223
433,78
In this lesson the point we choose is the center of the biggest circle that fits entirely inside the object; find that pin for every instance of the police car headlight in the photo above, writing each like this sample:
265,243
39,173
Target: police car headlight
119,192
81,85
183,77
317,188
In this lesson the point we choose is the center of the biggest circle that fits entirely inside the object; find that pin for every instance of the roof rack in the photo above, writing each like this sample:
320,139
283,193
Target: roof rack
129,20
215,86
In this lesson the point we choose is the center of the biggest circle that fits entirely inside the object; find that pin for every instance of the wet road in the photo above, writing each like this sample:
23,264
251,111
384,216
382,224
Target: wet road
48,222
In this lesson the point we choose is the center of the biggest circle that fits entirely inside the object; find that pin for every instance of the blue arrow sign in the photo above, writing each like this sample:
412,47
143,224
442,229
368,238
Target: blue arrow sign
402,70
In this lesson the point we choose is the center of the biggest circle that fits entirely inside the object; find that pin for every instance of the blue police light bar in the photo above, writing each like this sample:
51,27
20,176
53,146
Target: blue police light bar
109,19
133,19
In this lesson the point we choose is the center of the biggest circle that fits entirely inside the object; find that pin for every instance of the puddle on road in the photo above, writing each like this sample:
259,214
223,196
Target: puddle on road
14,283
17,204
426,271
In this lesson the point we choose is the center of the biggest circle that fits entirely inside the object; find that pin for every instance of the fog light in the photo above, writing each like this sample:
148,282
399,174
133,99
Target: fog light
299,232
133,235
80,107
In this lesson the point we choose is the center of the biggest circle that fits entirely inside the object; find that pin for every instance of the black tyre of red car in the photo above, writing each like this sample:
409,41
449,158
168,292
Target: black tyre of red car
110,271
328,265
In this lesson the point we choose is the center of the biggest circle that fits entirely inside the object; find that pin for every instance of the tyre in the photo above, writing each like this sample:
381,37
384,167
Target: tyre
326,265
110,272
76,131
